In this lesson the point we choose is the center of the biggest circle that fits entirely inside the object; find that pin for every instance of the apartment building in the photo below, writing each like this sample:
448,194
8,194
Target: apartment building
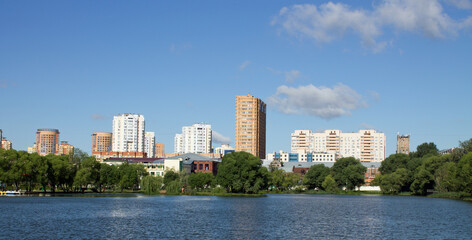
365,145
47,141
128,133
251,125
149,144
101,142
194,139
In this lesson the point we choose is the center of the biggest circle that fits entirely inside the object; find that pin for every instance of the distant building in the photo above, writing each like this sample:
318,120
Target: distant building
403,144
365,145
33,149
6,144
65,148
224,149
101,141
128,133
302,156
194,139
193,163
251,125
102,156
47,141
160,150
149,141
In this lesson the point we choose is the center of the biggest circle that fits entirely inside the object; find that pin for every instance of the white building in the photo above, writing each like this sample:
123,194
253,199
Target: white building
128,133
224,149
193,139
302,156
365,145
149,144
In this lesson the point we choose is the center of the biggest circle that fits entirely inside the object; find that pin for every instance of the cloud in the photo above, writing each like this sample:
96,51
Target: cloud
219,138
98,117
243,65
461,4
375,95
365,126
330,21
291,75
323,102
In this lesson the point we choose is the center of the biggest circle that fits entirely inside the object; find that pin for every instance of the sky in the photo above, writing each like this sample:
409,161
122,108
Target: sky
396,66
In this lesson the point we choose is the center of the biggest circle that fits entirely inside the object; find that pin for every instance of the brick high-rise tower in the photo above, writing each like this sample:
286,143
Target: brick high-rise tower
251,125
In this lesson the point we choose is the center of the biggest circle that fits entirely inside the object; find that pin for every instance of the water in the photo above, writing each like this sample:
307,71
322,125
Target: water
202,217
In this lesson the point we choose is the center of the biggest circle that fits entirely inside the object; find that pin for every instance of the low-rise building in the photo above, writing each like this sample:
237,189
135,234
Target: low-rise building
224,149
65,148
193,163
302,156
101,156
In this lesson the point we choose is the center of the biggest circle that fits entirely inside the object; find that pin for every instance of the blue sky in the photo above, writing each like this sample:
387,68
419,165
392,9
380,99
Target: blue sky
392,65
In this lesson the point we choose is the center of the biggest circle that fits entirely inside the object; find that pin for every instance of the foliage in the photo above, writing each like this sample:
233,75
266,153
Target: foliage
241,172
392,183
151,184
170,176
315,176
174,187
393,162
425,149
348,172
329,184
200,180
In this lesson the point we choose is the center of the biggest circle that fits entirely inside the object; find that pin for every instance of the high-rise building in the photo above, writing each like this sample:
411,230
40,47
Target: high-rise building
65,148
149,147
302,141
224,149
6,144
128,133
403,144
160,151
101,142
251,125
365,145
194,139
47,141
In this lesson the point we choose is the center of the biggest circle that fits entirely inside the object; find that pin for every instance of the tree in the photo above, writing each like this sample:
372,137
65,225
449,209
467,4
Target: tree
242,172
392,183
291,180
348,172
109,176
423,181
276,178
130,175
465,173
425,149
200,180
151,184
170,176
393,162
329,184
446,179
315,176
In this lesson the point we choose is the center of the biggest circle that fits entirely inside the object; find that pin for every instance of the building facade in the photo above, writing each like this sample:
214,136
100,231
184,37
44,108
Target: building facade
149,144
224,149
65,148
101,142
47,141
128,133
365,145
403,144
6,144
194,139
251,125
302,156
160,150
102,156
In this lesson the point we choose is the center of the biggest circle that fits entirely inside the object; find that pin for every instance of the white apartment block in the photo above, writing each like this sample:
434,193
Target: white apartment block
128,133
193,139
149,144
178,143
365,145
302,156
224,149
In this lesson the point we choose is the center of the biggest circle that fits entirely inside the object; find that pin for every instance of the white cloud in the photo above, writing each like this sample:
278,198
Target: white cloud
331,21
321,101
292,75
219,138
243,65
462,4
366,126
98,117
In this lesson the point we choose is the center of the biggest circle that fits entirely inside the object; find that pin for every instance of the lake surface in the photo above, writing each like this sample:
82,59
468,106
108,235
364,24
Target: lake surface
201,217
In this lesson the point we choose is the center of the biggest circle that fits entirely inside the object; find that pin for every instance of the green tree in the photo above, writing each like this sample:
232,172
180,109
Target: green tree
465,173
393,162
446,179
200,180
425,149
242,172
348,172
291,180
170,176
423,180
315,176
130,175
151,184
392,183
329,184
109,176
276,178
174,187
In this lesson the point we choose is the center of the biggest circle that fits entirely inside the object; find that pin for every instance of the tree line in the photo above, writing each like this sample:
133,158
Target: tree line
426,170
68,173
